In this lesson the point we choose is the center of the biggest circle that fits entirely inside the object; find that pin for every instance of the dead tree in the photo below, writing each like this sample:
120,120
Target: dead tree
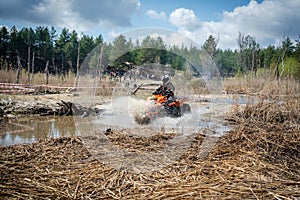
19,68
32,68
77,65
28,66
62,68
47,72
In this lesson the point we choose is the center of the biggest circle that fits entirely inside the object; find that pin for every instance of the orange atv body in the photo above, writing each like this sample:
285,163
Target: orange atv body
160,106
159,98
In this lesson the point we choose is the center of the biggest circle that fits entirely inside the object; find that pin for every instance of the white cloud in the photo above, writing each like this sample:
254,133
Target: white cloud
185,19
114,34
59,15
73,14
170,37
266,22
155,15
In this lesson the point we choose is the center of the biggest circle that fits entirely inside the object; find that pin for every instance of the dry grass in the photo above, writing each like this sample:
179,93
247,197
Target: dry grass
105,88
199,86
262,86
57,83
258,159
39,78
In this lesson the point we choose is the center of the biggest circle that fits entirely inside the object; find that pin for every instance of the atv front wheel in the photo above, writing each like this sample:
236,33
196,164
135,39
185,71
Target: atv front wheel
143,120
186,108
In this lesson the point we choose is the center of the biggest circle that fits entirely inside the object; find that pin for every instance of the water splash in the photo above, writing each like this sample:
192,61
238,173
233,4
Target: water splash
120,114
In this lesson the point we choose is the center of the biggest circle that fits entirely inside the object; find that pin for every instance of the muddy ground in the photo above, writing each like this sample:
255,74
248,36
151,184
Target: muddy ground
63,104
258,159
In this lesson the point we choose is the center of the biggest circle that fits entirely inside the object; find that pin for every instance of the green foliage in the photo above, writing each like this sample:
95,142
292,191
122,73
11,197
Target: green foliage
267,56
249,49
210,46
239,73
120,51
225,61
291,68
60,50
151,50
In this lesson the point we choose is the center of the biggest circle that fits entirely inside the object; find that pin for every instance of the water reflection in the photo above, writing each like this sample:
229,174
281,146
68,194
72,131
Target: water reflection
31,129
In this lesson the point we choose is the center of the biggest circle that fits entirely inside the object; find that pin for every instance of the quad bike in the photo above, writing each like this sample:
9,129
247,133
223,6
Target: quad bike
161,105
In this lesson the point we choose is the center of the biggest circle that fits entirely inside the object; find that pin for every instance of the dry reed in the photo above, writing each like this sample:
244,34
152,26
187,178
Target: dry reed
264,87
38,78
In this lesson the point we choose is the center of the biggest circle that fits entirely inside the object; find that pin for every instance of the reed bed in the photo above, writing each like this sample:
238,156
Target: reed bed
37,78
134,143
258,159
266,87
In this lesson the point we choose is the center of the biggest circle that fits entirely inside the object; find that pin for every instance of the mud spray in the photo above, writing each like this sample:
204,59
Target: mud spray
121,113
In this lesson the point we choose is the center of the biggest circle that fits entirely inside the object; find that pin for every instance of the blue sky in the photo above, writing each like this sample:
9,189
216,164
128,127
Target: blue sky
268,21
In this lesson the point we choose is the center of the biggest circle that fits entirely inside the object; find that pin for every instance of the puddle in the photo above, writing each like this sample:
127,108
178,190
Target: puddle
32,129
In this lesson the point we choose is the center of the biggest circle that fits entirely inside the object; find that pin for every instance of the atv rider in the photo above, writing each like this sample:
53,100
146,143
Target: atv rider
166,89
167,98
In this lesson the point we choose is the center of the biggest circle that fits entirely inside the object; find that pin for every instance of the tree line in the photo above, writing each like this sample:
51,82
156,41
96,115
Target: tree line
43,49
44,45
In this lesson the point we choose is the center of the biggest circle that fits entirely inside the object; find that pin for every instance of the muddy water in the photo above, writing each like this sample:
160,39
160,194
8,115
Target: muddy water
207,113
32,129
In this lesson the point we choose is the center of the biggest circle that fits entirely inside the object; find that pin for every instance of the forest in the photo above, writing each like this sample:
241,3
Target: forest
43,48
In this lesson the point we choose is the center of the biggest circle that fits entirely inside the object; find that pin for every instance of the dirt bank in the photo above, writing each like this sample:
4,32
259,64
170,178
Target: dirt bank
44,105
